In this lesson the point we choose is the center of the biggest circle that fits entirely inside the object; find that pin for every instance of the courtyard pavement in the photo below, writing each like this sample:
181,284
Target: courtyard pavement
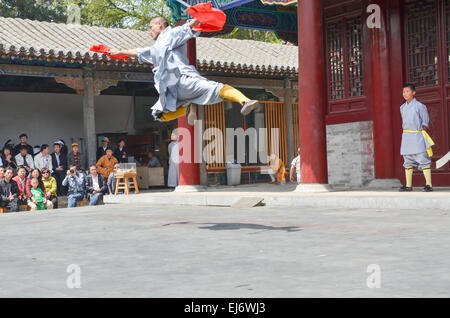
140,250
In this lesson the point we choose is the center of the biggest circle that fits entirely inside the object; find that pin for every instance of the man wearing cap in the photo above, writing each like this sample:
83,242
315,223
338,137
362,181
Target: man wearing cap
59,163
101,151
76,158
23,142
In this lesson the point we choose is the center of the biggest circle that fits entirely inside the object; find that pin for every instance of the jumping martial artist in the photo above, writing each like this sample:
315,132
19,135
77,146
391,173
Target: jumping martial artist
178,83
416,143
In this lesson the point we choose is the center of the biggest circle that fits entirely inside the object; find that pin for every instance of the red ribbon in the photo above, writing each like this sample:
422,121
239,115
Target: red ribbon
212,19
100,48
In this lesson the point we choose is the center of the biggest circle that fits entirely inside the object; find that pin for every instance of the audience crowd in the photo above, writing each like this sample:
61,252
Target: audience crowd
38,179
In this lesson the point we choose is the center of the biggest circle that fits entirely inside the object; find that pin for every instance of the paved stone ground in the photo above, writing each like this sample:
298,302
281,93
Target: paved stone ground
144,251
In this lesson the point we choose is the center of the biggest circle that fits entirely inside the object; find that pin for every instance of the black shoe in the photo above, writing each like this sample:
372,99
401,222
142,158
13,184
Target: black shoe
428,188
405,189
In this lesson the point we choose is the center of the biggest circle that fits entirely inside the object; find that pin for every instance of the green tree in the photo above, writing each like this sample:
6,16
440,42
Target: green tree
134,14
41,10
255,35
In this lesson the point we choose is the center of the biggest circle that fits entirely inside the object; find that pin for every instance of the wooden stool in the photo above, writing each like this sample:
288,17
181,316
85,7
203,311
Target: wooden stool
126,184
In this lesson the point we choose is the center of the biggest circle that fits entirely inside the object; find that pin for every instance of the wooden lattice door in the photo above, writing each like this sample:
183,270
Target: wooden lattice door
427,44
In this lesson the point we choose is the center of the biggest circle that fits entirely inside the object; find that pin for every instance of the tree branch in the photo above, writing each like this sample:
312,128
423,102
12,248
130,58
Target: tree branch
116,7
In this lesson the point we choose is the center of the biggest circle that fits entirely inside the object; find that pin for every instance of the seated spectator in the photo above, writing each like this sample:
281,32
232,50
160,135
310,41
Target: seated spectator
24,159
112,179
64,150
59,164
76,158
38,200
277,170
50,186
9,192
23,143
43,158
95,186
106,163
36,174
121,152
75,181
8,159
153,162
2,173
295,165
101,151
24,184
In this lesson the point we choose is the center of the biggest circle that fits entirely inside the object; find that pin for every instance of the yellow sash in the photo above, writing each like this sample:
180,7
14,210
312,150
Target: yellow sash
427,138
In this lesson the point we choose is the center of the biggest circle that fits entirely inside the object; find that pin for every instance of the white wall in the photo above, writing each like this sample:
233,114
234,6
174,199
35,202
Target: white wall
350,154
46,117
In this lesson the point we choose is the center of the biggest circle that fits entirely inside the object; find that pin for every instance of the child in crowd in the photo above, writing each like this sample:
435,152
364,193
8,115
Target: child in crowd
38,200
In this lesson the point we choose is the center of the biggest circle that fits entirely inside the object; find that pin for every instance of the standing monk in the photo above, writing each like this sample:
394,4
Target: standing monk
416,143
178,83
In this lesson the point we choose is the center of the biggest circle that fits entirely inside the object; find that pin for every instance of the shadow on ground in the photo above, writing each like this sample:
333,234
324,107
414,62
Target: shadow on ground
238,226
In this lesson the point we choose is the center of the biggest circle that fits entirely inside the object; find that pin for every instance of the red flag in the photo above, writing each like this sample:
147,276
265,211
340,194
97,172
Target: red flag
104,49
212,19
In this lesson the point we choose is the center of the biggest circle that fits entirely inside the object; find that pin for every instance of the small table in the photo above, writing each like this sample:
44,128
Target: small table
126,184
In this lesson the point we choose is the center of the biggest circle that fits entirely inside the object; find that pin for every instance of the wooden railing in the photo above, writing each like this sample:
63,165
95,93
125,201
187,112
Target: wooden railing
275,117
215,118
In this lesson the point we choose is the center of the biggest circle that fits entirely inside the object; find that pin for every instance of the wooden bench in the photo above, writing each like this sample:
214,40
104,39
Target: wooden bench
62,203
22,207
86,203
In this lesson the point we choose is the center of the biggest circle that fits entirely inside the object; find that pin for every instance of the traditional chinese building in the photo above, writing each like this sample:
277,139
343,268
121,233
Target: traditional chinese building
354,57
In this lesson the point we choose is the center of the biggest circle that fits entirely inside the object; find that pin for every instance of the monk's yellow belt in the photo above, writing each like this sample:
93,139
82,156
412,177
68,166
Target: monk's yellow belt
427,138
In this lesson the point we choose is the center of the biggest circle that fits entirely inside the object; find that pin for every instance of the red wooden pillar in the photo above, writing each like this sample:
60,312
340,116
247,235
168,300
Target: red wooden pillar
189,171
311,104
381,92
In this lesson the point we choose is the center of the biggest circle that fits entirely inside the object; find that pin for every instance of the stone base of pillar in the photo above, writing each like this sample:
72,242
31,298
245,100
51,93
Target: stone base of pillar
313,187
387,184
190,188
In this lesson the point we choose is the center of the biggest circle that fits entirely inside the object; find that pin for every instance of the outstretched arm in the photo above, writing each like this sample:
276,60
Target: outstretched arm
130,53
182,34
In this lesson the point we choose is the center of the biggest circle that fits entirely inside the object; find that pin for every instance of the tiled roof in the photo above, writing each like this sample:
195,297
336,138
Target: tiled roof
35,39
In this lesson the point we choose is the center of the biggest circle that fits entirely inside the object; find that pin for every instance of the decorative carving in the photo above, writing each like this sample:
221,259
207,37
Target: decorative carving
277,91
73,82
100,85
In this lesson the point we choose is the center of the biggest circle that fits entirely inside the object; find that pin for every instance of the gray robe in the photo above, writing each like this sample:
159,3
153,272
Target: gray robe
414,116
174,159
177,82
